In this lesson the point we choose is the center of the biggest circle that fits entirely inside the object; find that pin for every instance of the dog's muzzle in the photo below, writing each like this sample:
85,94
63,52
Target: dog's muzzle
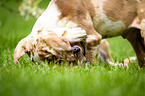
77,51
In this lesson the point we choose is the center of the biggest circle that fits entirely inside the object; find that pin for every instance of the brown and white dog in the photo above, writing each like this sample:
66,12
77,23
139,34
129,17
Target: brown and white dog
89,21
45,45
49,46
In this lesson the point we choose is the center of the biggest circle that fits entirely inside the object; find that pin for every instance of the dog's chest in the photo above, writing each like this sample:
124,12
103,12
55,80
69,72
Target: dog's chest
107,27
113,16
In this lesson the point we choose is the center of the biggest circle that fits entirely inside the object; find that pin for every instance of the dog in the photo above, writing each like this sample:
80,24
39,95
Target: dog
49,46
46,46
105,19
90,21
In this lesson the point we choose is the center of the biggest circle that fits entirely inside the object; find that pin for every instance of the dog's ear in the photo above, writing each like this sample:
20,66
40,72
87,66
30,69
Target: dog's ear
60,47
20,50
58,43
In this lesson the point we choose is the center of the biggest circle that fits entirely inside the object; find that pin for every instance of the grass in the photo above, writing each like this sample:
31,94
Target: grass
29,79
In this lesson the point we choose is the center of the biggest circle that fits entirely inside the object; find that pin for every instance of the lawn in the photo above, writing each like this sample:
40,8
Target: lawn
29,79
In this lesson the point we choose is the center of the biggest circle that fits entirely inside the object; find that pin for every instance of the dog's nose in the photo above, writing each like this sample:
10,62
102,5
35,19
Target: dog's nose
76,49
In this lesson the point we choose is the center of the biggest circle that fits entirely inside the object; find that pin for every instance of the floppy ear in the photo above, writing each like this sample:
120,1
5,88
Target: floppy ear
59,46
20,50
58,43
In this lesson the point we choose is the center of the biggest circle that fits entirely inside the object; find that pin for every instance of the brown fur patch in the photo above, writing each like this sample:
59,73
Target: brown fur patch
68,9
124,10
39,31
75,8
141,10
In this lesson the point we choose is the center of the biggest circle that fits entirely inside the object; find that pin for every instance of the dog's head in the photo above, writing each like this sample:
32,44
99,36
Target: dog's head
46,47
54,46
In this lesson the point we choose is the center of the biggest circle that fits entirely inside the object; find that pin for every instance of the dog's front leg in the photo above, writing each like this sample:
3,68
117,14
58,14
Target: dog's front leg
93,40
92,48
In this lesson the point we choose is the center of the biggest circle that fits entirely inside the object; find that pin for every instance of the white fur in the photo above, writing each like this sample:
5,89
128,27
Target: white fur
95,51
49,21
138,1
141,10
102,24
91,38
143,24
111,28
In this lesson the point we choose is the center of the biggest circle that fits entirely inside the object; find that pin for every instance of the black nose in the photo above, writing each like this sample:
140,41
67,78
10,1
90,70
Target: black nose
76,49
